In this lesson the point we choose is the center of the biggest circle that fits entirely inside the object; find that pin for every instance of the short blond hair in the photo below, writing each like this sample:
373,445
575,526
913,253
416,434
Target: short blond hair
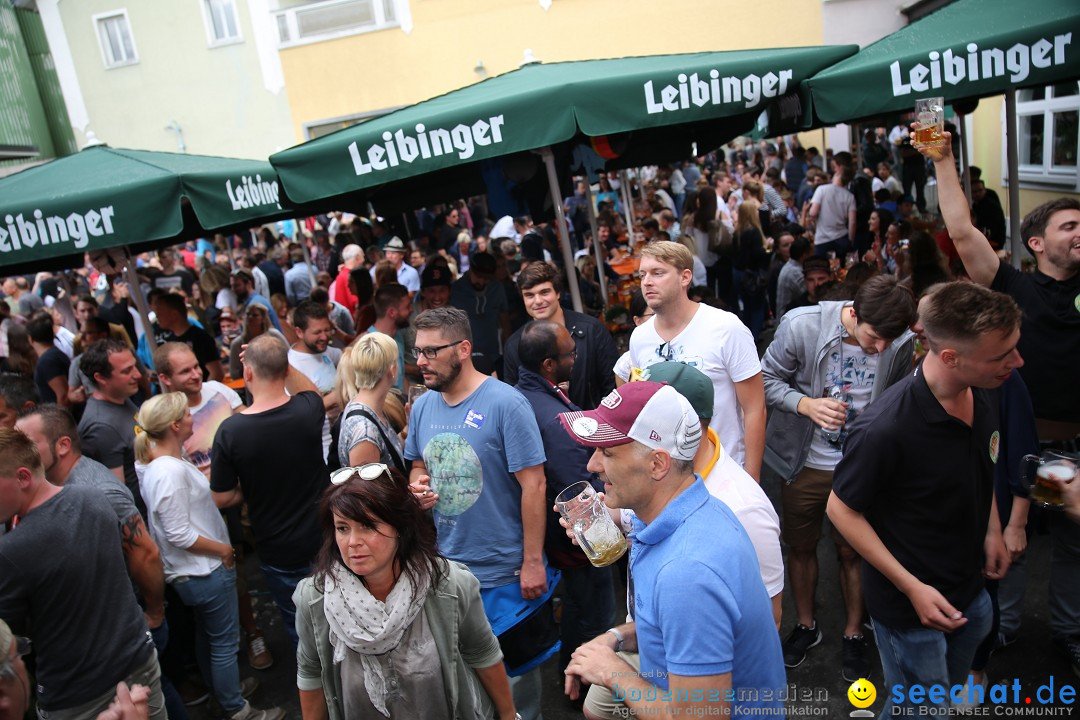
670,253
368,361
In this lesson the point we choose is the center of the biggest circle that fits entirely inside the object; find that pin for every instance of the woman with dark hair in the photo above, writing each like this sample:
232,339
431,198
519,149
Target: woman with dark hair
256,321
388,628
363,287
21,358
926,264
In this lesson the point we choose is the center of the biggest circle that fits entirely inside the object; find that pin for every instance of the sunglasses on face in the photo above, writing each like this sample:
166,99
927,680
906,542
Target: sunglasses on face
371,471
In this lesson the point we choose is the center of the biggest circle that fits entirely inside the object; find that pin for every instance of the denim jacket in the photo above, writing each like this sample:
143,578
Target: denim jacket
794,367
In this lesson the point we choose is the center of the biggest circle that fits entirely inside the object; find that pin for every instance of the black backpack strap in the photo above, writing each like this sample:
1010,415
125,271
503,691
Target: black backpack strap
398,462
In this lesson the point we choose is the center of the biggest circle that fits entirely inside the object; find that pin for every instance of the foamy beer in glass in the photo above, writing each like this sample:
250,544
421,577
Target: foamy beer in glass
1039,473
930,122
594,530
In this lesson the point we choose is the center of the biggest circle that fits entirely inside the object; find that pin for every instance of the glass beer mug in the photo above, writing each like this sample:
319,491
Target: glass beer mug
1038,472
595,531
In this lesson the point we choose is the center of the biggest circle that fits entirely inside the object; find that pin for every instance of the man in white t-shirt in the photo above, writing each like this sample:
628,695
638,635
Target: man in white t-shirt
312,355
406,274
712,340
825,365
210,402
832,210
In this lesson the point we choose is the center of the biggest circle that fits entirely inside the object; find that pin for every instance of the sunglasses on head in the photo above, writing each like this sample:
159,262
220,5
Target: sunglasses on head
371,471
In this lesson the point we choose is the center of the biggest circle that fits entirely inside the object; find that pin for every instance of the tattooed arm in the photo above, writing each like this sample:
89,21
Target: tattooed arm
144,565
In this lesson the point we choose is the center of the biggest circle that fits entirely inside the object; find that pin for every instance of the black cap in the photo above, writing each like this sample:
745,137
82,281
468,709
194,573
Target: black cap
435,275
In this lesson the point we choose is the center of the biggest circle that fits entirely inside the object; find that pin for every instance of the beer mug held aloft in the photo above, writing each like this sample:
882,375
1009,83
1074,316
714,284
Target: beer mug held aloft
1037,474
930,123
595,531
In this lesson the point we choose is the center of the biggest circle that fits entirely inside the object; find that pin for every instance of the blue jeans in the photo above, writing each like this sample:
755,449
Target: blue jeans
930,657
217,618
282,582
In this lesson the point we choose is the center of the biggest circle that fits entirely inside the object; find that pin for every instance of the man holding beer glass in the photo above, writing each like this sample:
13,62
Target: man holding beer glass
924,529
1050,344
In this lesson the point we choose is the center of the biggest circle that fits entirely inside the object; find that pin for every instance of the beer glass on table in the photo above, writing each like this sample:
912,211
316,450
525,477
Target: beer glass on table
595,531
1037,474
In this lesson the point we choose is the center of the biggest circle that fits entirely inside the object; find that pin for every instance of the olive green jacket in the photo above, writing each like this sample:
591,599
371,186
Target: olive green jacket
463,639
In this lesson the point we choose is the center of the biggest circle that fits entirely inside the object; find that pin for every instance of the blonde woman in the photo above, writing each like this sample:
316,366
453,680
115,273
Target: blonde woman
195,550
366,372
751,266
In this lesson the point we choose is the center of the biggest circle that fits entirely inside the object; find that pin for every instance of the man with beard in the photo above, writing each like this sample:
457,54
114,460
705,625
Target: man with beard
242,283
312,355
591,378
477,459
1050,344
393,307
548,354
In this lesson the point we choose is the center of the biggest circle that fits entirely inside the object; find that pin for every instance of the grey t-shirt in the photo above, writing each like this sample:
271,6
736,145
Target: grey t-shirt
92,474
413,677
836,204
64,584
107,434
356,429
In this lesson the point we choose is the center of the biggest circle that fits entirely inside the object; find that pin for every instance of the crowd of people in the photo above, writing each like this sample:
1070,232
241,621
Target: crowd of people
383,426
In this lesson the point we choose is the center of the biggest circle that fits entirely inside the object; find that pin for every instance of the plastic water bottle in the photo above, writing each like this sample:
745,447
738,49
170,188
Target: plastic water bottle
836,392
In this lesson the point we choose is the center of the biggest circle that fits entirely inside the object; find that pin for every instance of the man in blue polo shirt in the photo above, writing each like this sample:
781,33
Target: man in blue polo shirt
645,437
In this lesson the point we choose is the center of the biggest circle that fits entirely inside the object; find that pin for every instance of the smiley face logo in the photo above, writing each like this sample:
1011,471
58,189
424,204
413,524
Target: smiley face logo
862,693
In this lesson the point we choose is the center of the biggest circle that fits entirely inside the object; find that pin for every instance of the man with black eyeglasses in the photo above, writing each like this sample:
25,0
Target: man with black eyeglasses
478,462
826,363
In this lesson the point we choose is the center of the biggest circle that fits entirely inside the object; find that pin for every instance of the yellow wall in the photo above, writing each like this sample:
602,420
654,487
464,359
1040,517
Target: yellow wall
988,135
382,70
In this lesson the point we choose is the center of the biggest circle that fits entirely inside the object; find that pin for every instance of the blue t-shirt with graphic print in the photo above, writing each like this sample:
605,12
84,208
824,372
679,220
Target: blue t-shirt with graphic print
471,450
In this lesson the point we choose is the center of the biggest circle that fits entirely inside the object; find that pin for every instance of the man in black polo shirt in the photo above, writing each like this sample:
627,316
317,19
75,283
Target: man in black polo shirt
914,491
1050,345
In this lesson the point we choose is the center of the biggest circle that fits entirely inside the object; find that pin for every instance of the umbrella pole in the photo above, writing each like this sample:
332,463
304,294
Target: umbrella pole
628,206
965,161
564,236
597,250
136,292
1012,141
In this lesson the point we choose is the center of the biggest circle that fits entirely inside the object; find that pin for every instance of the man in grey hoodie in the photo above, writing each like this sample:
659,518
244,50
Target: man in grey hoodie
825,365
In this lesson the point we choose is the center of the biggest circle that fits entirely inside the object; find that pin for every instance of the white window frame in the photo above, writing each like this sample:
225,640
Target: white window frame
288,17
1044,174
208,22
110,64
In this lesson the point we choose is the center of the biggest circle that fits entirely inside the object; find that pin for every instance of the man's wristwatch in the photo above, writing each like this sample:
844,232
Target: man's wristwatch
618,638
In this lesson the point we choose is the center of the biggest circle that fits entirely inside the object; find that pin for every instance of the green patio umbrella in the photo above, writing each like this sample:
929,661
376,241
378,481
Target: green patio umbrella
967,49
542,105
118,201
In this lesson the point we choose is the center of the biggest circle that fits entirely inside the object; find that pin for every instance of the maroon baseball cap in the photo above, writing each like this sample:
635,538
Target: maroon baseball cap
653,414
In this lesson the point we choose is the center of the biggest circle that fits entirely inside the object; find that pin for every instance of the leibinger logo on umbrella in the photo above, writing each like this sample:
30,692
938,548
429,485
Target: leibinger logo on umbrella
955,68
252,192
399,147
697,91
18,232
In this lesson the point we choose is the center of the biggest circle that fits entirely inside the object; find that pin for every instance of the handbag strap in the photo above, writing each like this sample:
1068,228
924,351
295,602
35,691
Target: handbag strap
398,462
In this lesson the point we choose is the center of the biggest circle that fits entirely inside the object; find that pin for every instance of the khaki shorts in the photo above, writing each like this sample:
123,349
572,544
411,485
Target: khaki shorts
803,503
600,702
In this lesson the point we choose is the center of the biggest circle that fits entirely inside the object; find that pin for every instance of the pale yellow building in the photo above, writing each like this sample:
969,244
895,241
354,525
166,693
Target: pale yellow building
410,50
198,76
